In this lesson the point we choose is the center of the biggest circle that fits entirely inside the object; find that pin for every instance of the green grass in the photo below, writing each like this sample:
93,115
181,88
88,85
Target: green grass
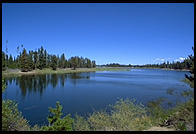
181,117
124,115
62,71
188,82
12,119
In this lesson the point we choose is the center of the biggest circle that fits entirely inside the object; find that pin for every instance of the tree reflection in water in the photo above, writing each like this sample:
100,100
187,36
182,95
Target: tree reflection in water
75,76
39,83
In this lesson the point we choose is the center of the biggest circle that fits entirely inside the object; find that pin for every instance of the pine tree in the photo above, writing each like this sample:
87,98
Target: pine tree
10,62
88,63
41,58
6,61
30,61
58,61
3,61
56,123
45,59
54,62
93,64
73,62
48,61
62,61
24,61
35,60
190,78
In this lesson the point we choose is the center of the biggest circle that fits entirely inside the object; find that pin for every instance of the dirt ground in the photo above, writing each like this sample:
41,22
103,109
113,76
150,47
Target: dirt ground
160,129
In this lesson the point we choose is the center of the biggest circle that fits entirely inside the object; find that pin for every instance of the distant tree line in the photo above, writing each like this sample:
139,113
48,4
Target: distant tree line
115,65
28,61
186,64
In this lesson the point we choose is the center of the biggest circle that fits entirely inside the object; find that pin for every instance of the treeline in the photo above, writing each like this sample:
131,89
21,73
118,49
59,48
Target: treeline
28,61
186,64
115,65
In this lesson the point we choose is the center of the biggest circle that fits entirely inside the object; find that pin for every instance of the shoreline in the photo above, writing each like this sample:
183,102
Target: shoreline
8,73
17,72
161,68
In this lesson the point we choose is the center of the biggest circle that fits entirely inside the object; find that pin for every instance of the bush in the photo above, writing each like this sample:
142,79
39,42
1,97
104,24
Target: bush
3,85
55,121
12,119
80,124
124,115
182,116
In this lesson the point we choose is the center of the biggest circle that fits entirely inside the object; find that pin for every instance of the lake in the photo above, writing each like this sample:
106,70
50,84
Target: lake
83,93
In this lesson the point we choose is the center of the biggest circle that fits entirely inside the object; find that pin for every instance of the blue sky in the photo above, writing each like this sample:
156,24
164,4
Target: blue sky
125,33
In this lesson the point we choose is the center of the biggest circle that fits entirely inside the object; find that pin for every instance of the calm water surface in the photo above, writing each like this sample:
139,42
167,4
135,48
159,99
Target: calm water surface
82,93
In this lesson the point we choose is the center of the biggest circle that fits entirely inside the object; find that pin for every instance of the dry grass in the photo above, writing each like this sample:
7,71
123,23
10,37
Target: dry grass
61,71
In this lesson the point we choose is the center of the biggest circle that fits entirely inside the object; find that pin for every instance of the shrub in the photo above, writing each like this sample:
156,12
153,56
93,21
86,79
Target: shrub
12,119
56,123
80,124
124,115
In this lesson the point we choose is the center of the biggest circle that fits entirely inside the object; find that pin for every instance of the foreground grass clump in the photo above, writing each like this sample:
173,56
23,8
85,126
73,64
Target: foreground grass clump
124,115
181,117
12,119
188,82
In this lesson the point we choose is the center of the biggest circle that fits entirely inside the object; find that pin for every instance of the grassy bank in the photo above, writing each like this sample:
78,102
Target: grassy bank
61,71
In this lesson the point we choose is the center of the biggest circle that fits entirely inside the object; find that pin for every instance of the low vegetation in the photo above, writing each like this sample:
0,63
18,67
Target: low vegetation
56,123
61,71
12,119
123,115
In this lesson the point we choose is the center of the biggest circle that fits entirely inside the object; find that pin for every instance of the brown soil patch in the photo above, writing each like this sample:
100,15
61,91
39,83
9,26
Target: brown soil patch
160,129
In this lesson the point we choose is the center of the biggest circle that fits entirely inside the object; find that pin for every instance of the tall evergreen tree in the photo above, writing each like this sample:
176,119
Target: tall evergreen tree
3,61
41,58
6,61
73,62
93,63
48,61
24,61
45,59
30,61
191,77
62,61
54,62
10,62
88,63
35,57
